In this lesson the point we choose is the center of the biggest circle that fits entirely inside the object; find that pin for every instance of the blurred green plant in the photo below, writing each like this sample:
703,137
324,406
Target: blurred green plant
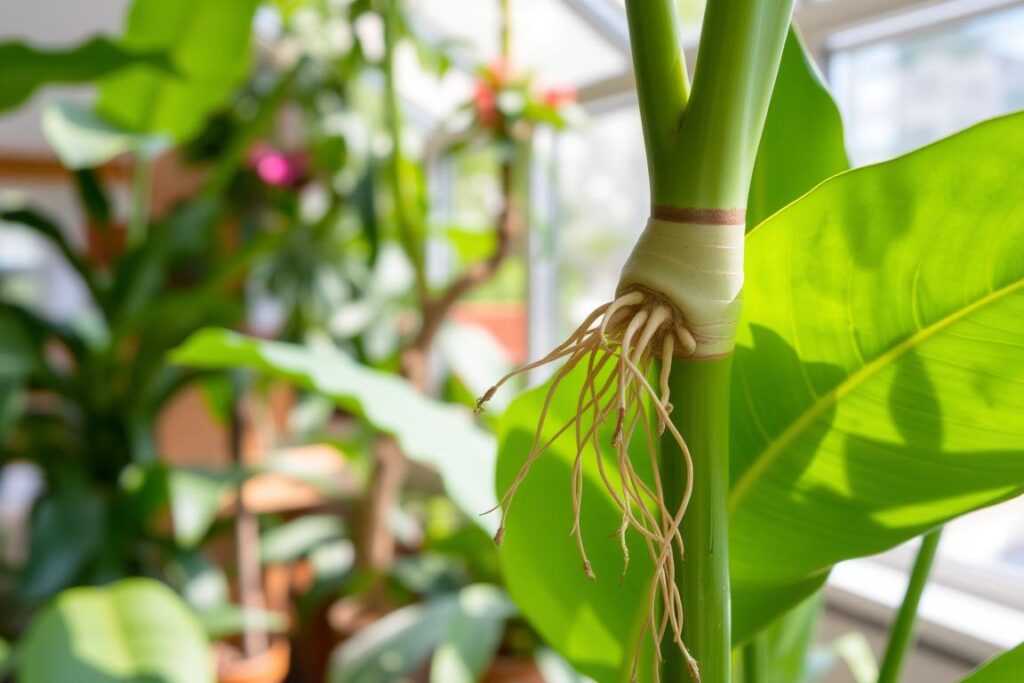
461,630
130,630
91,391
80,398
208,44
428,431
308,218
27,68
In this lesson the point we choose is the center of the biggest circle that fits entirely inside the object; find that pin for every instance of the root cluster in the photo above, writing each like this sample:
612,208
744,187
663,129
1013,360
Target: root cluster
630,333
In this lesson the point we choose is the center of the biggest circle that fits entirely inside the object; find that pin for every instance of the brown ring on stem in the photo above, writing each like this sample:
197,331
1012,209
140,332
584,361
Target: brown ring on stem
675,214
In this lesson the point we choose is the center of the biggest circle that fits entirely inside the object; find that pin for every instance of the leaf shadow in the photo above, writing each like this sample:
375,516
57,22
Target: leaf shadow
773,362
916,413
65,660
897,487
879,197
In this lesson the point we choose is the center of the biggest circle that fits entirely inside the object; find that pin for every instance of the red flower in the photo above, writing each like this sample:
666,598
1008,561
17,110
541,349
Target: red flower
558,97
486,104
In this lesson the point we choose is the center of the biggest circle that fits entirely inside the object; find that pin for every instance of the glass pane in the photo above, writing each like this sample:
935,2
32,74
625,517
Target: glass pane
603,181
899,94
547,37
902,93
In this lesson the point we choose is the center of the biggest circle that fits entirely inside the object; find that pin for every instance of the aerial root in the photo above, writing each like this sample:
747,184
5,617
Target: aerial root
630,334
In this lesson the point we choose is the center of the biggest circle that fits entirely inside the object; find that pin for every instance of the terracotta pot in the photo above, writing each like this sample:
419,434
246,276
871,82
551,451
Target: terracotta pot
513,670
269,666
506,321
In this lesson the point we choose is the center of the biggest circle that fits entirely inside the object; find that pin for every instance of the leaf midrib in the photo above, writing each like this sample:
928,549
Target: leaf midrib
818,407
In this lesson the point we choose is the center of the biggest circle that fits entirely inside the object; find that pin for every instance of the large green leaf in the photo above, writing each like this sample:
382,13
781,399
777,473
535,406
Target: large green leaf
463,627
876,395
877,389
27,68
130,631
81,139
208,44
428,431
1005,668
802,143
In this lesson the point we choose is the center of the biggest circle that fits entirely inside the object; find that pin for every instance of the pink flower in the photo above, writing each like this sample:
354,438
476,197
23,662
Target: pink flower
277,168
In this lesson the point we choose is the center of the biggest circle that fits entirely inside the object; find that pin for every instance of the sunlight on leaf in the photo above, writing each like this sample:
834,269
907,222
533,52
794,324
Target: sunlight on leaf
132,630
880,347
208,44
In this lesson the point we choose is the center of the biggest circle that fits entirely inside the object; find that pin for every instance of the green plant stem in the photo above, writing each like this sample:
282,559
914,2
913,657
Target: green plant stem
701,147
662,86
393,115
700,394
505,31
901,637
740,50
142,181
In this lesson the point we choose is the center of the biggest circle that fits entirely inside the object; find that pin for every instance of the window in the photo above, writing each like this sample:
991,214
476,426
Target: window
900,93
896,94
